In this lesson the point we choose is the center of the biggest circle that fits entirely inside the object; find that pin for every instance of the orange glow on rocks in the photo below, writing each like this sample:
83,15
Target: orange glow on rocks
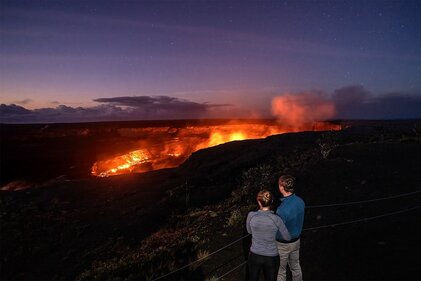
166,147
121,164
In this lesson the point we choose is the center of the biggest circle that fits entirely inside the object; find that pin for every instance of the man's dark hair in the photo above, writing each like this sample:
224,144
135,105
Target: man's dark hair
287,181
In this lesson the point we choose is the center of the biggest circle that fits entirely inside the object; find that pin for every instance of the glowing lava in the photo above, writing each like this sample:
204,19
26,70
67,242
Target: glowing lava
166,147
121,164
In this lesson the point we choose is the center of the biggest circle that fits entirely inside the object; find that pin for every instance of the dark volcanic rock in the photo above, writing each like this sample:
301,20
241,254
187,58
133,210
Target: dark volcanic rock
58,230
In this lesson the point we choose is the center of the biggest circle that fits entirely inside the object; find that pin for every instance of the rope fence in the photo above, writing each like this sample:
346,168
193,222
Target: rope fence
362,219
232,270
307,229
363,201
334,225
201,259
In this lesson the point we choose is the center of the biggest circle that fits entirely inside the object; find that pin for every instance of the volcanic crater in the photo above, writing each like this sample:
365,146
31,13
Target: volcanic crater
138,225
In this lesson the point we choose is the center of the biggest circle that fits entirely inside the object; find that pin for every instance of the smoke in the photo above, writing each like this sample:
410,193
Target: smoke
295,111
299,111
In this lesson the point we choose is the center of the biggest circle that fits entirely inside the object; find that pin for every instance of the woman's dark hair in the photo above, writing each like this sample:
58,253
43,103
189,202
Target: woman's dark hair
265,198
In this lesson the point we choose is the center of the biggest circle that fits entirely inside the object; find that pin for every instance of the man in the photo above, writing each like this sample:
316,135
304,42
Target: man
291,212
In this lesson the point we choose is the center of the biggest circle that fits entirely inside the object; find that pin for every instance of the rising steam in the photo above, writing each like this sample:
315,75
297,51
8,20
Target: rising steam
300,111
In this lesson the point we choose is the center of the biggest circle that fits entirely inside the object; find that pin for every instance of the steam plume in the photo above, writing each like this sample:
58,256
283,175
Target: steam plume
299,111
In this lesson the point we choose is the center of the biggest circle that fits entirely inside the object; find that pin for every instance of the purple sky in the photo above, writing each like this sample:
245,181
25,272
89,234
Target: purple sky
78,60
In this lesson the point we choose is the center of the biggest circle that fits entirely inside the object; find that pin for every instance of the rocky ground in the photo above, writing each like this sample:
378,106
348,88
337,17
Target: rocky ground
142,226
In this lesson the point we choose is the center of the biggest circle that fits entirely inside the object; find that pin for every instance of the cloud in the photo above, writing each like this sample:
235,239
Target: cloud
355,102
350,102
350,95
157,103
291,109
23,102
13,109
112,109
17,114
13,113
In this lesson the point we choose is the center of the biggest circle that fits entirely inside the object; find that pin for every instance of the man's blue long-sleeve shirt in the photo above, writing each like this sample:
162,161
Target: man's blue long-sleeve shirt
291,212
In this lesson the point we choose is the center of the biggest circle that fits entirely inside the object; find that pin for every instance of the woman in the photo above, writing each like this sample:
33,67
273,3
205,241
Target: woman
263,225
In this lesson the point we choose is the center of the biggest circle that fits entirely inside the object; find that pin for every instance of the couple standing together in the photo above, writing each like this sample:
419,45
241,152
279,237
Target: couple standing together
276,237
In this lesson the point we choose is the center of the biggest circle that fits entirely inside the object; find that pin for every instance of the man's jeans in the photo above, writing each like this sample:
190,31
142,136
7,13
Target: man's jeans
289,253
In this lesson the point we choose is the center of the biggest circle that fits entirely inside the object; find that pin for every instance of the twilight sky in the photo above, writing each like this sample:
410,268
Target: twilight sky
65,61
